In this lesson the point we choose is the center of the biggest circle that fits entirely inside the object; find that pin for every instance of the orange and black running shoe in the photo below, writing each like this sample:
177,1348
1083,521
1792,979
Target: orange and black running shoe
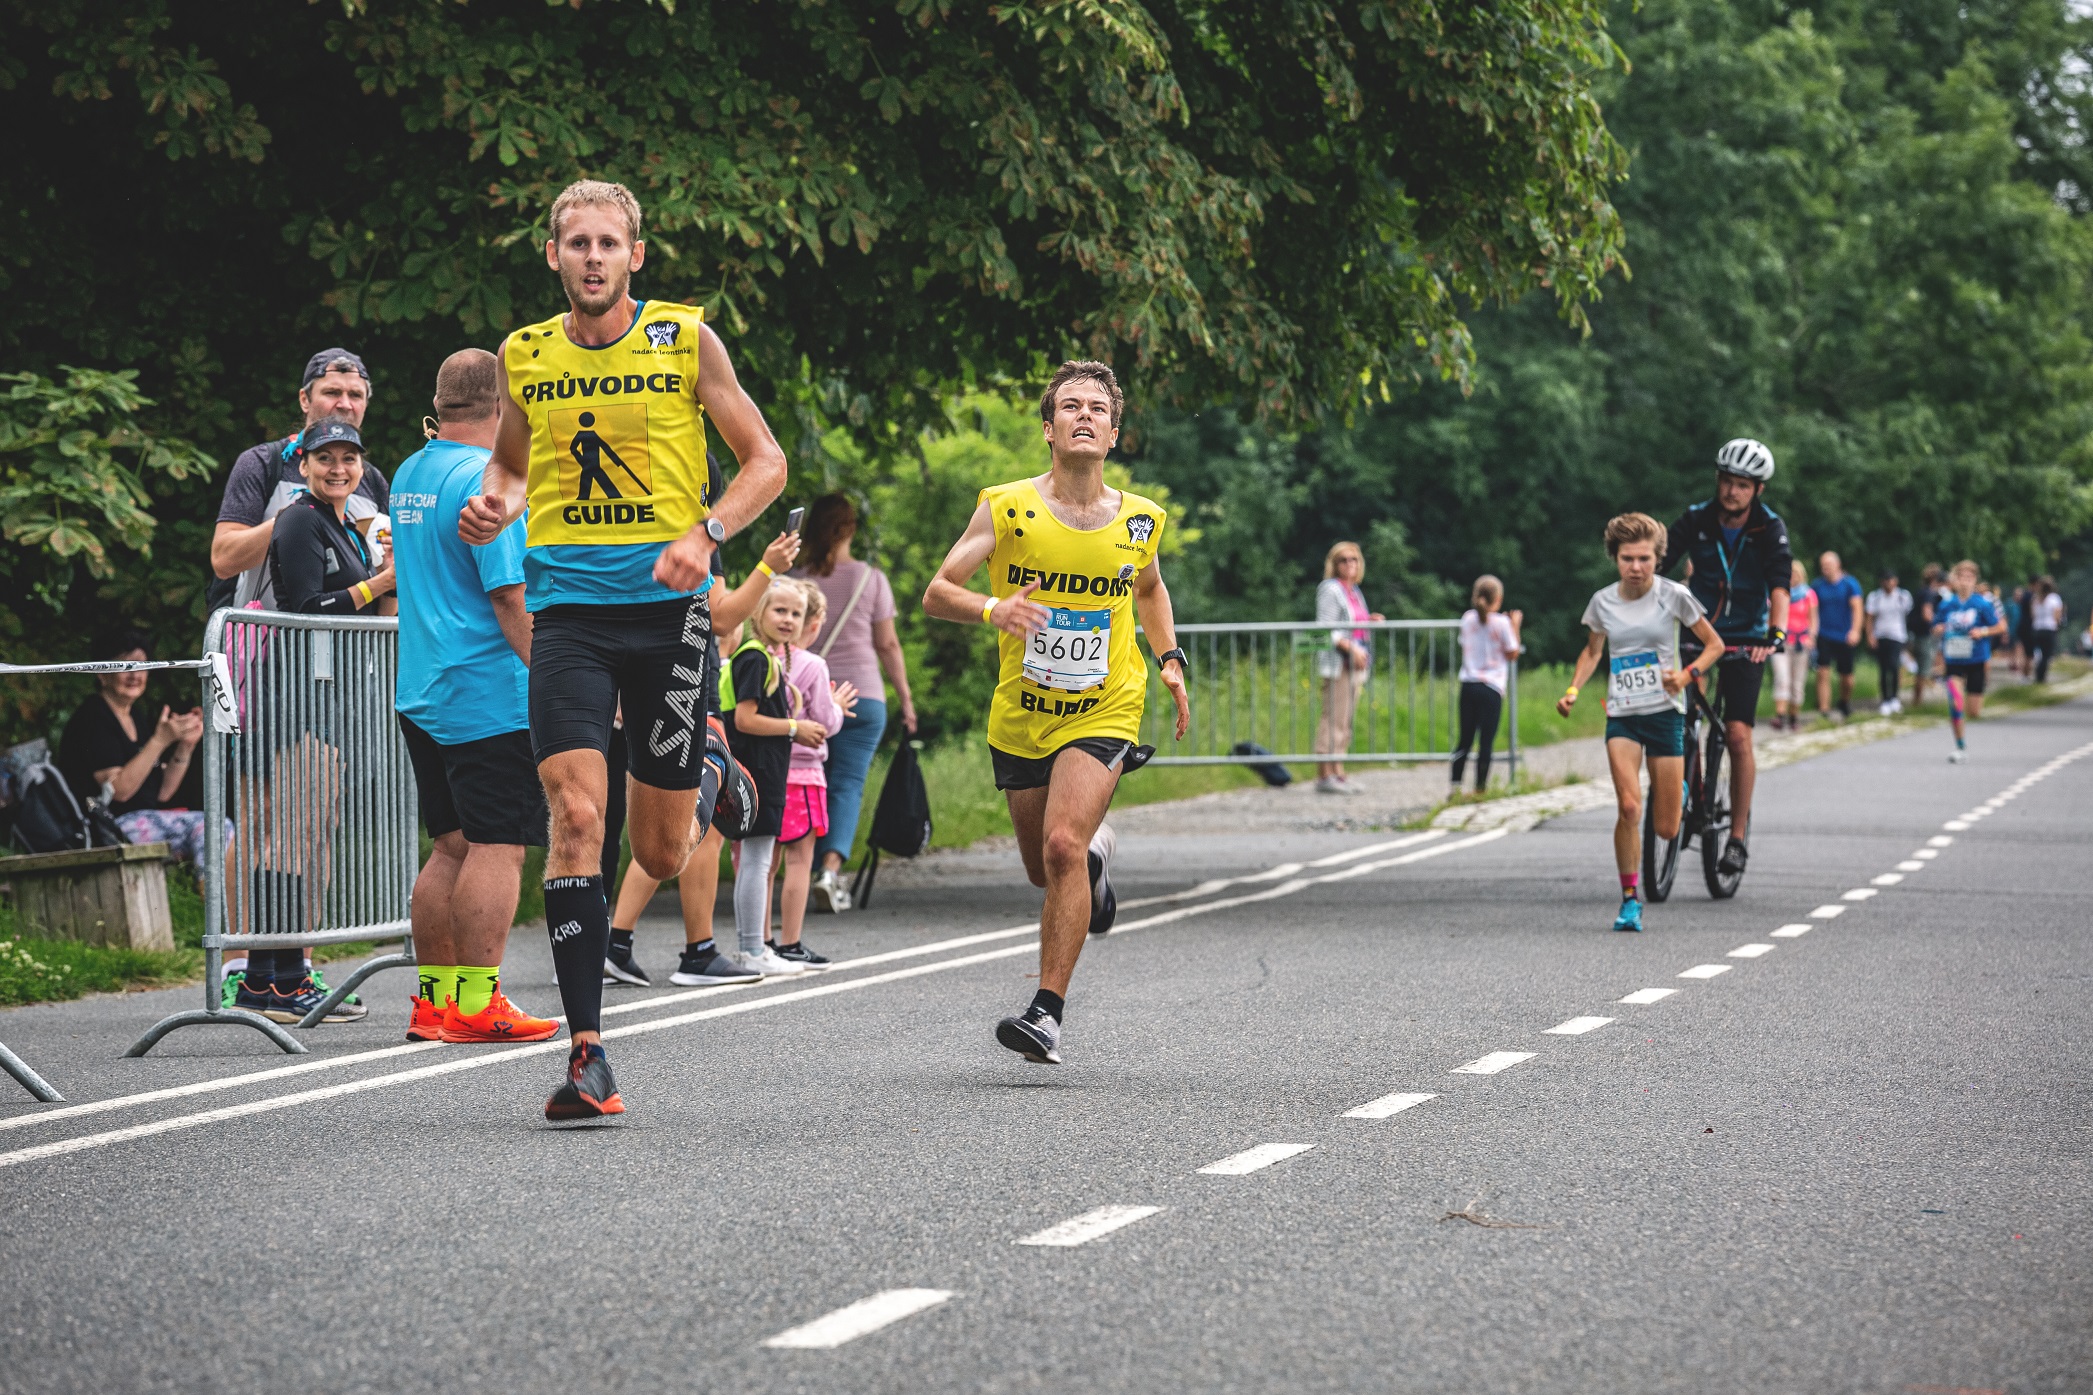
427,1022
589,1092
500,1020
734,810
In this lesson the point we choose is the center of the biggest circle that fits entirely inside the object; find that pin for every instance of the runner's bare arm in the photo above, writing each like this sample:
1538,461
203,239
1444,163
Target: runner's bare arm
947,597
1159,623
503,486
1711,651
759,480
1587,662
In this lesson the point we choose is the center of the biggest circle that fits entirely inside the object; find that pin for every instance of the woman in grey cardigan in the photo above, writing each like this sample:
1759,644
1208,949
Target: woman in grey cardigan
1344,666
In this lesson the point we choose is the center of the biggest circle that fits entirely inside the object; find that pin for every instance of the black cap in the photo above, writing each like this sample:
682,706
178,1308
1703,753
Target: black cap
1886,574
326,359
328,431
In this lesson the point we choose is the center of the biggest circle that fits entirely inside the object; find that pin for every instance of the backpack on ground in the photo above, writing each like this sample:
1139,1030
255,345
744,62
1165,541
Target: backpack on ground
900,822
1271,772
52,819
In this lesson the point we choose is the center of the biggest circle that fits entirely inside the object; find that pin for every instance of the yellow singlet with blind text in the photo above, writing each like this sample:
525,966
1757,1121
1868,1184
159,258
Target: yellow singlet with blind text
617,435
1085,675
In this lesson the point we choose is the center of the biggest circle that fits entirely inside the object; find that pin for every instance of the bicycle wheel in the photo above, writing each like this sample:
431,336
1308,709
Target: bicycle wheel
1715,831
1660,857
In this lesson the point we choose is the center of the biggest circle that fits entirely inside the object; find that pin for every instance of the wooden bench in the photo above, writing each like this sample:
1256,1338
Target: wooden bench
100,896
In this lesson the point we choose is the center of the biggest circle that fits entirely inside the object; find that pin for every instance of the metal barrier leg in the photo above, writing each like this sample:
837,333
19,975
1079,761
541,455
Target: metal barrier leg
31,1081
335,999
204,1017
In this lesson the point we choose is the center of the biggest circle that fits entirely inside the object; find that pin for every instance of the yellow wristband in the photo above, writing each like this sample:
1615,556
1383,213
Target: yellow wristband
792,728
1570,692
764,567
988,610
363,588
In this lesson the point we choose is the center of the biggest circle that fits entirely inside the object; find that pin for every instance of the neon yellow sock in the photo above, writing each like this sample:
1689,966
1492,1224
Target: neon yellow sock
476,987
438,982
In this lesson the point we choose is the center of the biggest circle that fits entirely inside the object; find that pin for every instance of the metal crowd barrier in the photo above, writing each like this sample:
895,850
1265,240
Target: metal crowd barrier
1258,683
318,788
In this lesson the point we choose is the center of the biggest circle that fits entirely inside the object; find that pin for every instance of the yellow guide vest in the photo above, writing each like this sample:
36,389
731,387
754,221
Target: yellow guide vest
617,435
1084,676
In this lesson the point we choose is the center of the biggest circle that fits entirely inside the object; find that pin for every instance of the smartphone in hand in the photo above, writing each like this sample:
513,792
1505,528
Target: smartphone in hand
792,520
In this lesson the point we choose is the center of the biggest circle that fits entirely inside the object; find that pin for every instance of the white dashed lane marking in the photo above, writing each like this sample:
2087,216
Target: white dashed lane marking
1577,1026
1387,1105
1827,913
1254,1159
1649,995
1789,932
1091,1225
1955,825
1859,893
1750,951
1936,841
865,1315
1494,1062
1892,878
1707,970
1911,866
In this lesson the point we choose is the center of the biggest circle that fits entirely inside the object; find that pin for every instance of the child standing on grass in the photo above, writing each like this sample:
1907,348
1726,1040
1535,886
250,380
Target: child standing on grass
1489,642
820,706
761,732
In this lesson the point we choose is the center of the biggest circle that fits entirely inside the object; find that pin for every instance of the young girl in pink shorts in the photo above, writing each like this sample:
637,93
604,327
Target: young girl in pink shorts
817,703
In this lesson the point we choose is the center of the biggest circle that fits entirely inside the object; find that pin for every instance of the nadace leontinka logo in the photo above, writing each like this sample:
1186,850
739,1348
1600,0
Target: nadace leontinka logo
1140,528
662,333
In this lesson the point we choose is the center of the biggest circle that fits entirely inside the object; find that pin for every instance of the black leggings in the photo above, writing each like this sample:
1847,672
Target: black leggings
2042,644
1481,707
1889,664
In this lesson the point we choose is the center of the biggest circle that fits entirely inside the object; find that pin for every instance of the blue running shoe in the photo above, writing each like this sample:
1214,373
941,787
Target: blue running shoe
1630,917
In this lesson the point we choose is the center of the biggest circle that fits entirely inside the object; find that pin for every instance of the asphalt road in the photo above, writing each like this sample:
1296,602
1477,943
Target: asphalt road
1854,1161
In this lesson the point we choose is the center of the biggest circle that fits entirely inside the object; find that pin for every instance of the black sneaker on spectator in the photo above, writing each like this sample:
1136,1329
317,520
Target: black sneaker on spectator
799,954
620,967
708,968
291,1007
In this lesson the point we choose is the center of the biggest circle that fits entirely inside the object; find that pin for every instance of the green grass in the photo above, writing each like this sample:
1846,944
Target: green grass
47,971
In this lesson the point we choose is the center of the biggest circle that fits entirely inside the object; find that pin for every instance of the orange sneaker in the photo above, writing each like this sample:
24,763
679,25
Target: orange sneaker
427,1022
502,1021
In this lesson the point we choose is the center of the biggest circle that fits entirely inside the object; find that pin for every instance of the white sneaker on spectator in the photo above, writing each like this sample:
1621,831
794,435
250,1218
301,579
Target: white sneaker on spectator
828,893
767,963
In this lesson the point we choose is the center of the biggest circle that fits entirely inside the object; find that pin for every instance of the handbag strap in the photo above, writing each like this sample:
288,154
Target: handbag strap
849,608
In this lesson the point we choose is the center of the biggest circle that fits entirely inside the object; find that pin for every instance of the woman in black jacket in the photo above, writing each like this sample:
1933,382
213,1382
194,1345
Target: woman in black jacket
319,565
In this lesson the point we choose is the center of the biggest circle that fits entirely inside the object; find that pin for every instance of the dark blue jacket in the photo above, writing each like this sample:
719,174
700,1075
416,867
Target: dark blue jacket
1733,584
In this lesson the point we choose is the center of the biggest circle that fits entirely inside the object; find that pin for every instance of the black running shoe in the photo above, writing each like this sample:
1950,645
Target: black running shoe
1734,854
589,1092
1104,904
1035,1036
799,954
734,811
620,967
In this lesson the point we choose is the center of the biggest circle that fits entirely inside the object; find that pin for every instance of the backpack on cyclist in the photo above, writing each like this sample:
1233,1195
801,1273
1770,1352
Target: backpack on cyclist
900,823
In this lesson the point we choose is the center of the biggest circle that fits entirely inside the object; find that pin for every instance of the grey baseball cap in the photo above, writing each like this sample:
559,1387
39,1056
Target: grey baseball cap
326,360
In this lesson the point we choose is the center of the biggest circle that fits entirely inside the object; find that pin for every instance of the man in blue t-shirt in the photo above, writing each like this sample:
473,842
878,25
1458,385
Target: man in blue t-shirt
462,698
1838,626
1965,623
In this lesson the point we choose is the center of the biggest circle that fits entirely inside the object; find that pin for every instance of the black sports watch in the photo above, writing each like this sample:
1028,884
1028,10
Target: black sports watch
1168,654
715,530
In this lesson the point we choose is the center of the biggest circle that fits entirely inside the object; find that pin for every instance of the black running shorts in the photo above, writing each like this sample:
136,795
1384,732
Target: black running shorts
488,789
1033,772
1738,681
1972,676
1835,654
657,658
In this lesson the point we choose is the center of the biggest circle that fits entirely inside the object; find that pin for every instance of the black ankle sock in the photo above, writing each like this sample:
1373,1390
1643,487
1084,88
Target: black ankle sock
279,909
577,920
700,949
620,943
1049,1003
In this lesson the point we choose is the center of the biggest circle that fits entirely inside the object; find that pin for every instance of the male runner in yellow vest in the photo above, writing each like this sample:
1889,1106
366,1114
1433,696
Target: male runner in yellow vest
603,437
1067,707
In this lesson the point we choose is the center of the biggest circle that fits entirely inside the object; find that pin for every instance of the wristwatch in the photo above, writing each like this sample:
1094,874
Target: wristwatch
1168,654
715,530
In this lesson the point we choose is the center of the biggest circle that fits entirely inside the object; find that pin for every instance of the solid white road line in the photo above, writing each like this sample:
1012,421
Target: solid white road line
1387,1105
1081,1230
1707,970
1789,932
1890,878
1354,854
1827,913
1494,1062
1284,869
1577,1026
1649,995
865,1315
1254,1159
1859,893
1750,951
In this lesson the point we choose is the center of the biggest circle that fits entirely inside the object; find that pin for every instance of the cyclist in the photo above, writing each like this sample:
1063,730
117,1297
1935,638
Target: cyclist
1739,569
1636,620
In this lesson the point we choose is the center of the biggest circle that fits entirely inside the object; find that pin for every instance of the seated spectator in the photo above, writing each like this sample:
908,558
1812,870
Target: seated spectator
103,751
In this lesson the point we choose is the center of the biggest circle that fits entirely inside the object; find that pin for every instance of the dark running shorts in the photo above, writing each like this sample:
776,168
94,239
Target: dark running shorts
658,658
1658,733
1972,677
1835,653
1033,772
488,789
1739,681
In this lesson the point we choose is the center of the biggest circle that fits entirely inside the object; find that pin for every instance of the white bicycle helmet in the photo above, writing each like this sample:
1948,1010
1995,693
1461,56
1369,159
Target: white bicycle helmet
1745,457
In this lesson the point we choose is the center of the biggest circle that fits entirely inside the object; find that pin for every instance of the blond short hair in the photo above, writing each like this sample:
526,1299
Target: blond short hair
1330,559
597,193
1627,528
